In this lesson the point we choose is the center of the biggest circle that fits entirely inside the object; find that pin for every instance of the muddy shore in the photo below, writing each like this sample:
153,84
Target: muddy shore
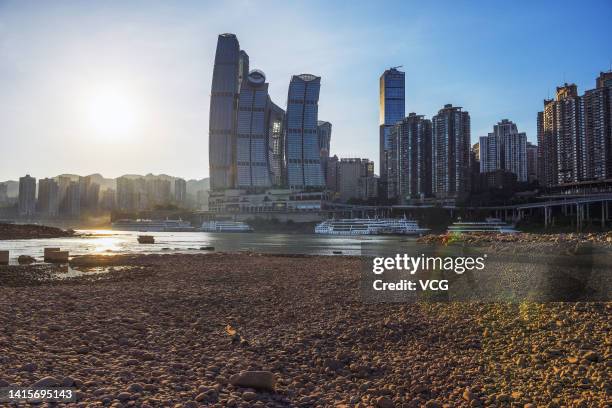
156,334
31,231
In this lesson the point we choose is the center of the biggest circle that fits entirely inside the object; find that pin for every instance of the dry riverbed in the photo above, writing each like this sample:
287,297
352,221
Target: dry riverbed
172,330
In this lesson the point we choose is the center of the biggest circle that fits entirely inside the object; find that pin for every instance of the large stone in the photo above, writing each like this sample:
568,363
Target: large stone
46,382
48,252
25,259
57,257
260,380
4,257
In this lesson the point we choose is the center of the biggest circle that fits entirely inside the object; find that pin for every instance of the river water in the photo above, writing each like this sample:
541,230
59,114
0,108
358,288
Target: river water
125,242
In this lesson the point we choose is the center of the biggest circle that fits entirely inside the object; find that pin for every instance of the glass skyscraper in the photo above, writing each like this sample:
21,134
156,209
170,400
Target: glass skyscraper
223,102
252,136
302,147
392,110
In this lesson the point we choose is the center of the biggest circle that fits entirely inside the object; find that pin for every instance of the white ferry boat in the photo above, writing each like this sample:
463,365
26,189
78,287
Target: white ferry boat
489,225
145,225
225,226
369,226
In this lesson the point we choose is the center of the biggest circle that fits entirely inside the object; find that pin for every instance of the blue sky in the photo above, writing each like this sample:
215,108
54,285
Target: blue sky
495,59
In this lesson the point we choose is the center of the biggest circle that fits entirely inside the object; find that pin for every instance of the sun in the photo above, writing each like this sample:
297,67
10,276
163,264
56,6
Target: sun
111,113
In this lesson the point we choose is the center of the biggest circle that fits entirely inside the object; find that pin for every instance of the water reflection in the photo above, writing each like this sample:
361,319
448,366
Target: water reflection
125,242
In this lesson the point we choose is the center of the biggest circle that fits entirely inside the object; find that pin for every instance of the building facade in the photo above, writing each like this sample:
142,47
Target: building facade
575,135
180,191
532,162
302,144
392,109
227,72
324,130
409,174
504,149
252,138
597,129
48,198
353,179
27,196
276,144
451,153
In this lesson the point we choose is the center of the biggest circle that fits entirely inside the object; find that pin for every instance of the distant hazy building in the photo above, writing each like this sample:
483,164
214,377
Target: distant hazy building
324,130
302,147
159,192
48,198
532,162
3,193
180,191
90,193
27,196
71,204
392,108
504,149
227,70
108,200
252,141
409,172
451,152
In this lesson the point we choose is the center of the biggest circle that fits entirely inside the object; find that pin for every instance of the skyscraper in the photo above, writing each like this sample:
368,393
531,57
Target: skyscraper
597,129
276,144
392,110
410,171
560,139
324,130
27,196
180,191
504,149
355,179
302,149
252,139
48,197
451,152
532,162
223,102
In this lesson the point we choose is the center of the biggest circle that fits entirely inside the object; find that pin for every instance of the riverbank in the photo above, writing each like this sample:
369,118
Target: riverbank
474,238
31,231
173,329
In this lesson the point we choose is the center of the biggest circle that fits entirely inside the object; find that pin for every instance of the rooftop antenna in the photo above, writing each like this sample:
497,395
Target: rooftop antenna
399,66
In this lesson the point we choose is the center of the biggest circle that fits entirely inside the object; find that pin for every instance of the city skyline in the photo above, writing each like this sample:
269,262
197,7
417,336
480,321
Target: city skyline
160,60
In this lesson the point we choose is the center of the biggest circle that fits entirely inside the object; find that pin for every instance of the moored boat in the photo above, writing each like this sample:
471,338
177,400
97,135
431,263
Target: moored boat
225,226
369,226
493,225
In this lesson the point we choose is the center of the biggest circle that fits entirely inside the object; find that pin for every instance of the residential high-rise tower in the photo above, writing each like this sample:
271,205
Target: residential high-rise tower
451,153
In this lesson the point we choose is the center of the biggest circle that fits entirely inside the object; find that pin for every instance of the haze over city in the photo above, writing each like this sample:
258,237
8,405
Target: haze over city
117,88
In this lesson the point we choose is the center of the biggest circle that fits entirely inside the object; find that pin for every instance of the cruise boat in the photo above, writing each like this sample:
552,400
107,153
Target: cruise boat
152,225
225,226
489,225
369,226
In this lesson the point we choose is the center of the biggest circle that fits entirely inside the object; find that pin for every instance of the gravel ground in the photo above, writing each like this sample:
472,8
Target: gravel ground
172,330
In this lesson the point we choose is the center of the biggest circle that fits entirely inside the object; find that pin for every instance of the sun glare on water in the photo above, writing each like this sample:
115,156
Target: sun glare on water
111,113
